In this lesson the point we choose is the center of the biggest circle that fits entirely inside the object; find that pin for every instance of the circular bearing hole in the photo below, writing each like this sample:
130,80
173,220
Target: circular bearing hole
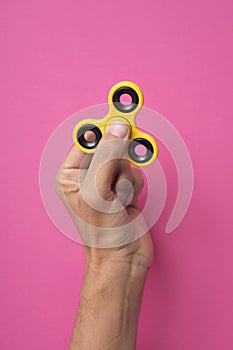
85,132
90,136
126,99
140,150
128,103
146,145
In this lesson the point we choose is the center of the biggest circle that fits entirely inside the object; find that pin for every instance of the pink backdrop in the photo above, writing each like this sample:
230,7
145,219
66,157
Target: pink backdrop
58,57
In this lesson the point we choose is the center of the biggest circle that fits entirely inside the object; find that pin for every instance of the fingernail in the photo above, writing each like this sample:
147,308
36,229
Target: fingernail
118,129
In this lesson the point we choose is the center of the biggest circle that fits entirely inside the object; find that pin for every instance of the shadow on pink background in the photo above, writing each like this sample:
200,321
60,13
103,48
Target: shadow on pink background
60,57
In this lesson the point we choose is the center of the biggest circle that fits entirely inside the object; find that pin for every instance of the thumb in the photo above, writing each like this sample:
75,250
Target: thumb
106,159
116,129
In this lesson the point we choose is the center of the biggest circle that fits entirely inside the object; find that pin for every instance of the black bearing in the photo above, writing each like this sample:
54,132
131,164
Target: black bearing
122,107
134,156
81,139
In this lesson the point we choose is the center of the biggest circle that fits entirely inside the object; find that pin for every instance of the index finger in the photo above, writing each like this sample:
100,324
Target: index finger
76,159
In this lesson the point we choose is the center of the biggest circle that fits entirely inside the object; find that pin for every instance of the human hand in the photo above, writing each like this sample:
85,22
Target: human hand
101,193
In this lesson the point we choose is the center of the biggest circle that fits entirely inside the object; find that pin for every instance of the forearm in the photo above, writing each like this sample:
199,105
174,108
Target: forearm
109,307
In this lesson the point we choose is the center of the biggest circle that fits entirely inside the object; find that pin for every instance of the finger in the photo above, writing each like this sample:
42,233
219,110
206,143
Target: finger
138,181
72,171
123,183
129,184
107,157
76,159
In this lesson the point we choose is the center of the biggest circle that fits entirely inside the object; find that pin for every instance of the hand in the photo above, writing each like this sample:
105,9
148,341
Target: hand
101,194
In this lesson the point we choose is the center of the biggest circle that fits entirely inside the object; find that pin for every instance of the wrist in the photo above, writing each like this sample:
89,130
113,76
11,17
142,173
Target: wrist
110,304
129,262
118,287
112,264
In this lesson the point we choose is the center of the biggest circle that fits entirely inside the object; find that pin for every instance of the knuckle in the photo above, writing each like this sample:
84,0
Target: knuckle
64,183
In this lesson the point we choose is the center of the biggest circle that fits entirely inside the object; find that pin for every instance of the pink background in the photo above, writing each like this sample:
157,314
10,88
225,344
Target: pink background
58,57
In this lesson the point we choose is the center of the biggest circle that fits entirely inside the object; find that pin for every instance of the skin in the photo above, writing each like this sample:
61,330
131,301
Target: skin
114,278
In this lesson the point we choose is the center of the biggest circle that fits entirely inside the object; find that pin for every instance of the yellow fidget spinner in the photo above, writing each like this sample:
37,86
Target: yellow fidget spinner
120,111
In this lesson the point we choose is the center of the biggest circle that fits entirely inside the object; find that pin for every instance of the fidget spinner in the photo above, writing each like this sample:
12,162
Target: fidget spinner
120,111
